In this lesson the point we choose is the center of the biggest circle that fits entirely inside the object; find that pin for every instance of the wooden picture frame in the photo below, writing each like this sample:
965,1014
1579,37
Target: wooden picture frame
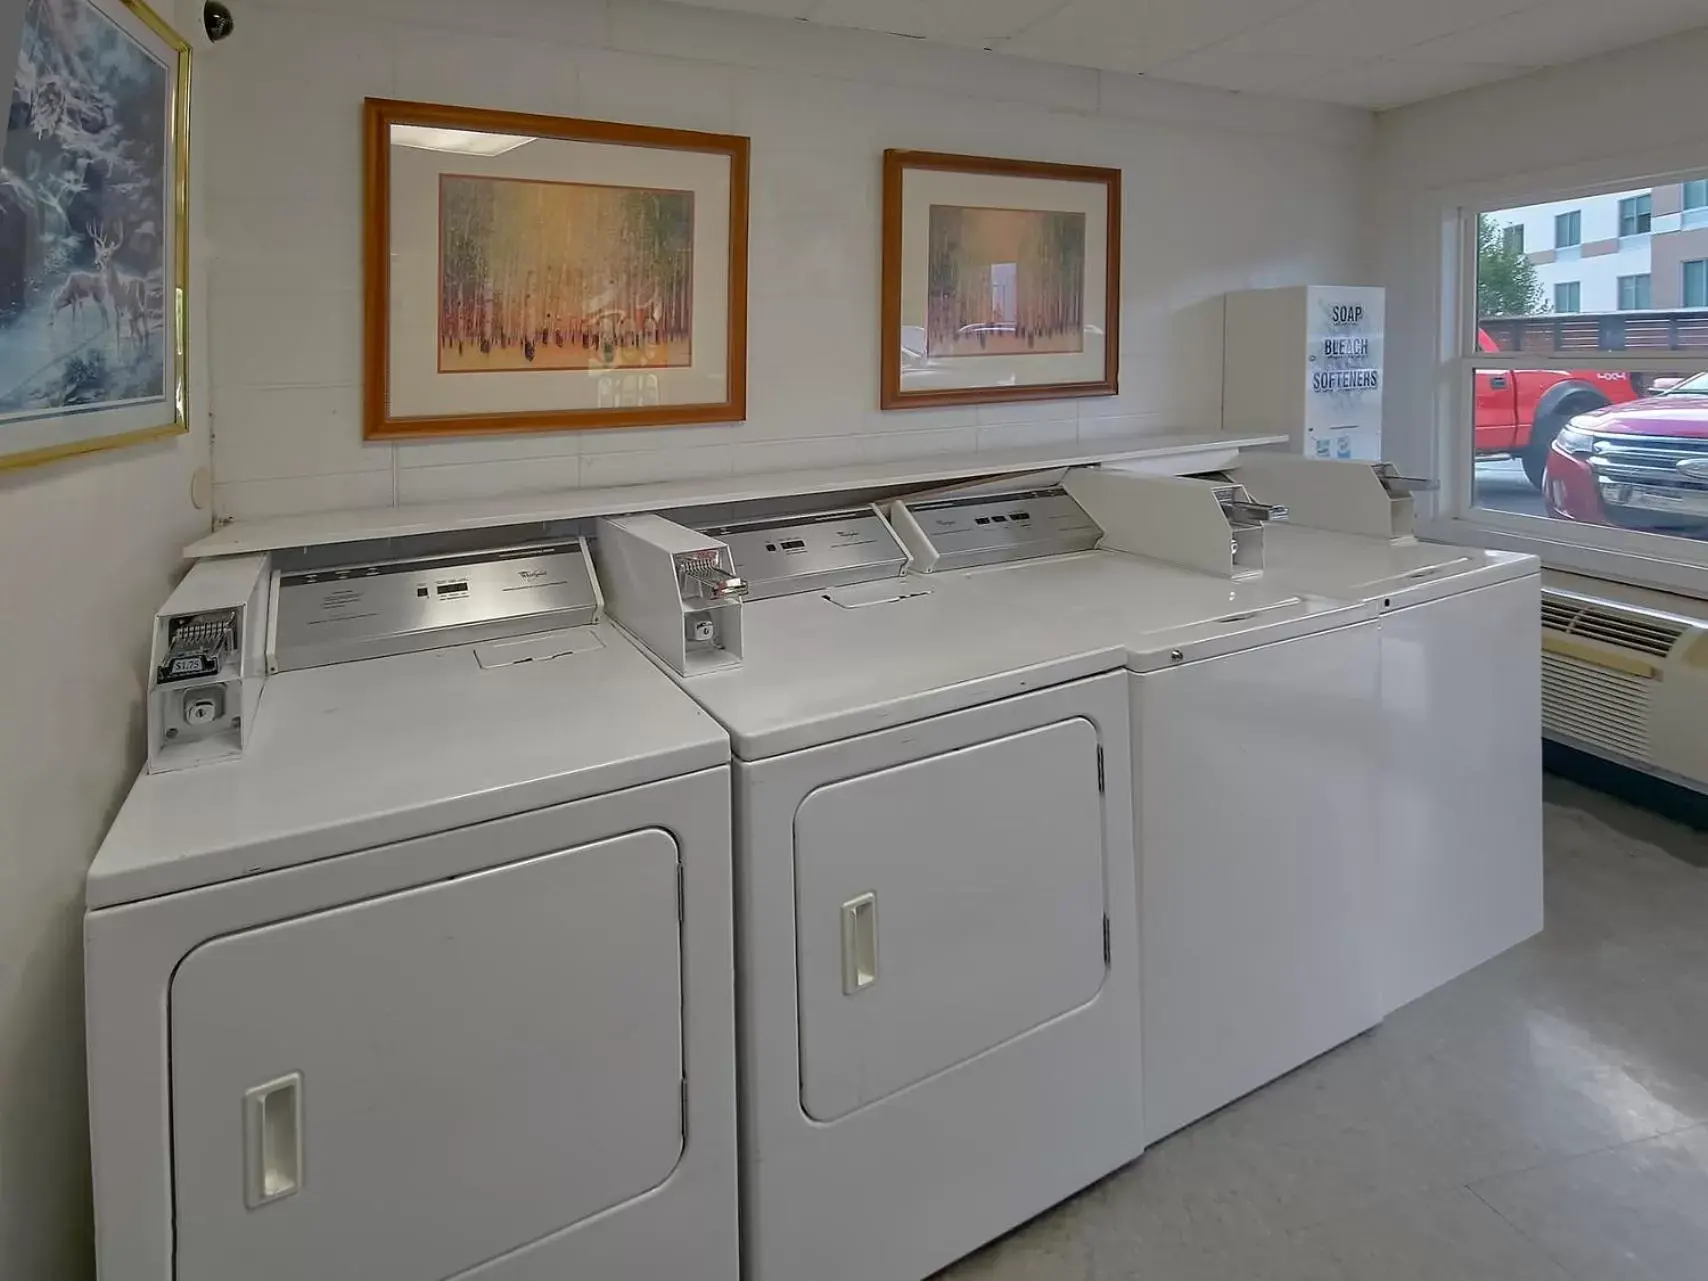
94,280
529,273
960,327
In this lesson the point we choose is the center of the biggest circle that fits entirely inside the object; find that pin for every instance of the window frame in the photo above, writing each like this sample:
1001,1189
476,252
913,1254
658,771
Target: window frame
1512,238
1701,185
1659,561
1576,286
1642,282
1577,229
1701,265
1641,208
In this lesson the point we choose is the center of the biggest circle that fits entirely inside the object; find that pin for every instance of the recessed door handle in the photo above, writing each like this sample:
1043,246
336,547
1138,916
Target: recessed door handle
1497,383
272,1141
859,943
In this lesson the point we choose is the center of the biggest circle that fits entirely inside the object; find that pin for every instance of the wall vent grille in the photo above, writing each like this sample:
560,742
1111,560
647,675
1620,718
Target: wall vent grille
1598,706
1628,629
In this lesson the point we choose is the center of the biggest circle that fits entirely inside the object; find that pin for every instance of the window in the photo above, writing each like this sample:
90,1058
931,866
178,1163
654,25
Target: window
1696,194
1553,349
1696,283
1512,238
1635,215
1634,293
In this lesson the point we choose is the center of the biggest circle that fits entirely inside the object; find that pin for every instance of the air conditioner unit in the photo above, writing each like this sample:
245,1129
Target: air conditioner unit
1625,675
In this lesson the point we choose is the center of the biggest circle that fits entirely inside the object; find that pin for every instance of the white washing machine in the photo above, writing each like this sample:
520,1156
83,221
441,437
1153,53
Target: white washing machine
1257,811
435,978
1461,779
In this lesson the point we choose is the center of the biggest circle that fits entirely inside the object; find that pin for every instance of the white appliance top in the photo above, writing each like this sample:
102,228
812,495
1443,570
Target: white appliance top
826,665
360,754
1391,575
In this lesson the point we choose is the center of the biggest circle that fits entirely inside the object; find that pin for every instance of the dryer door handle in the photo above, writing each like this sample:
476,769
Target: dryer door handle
859,944
272,1141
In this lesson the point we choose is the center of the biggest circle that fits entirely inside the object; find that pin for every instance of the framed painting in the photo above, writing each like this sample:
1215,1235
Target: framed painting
534,273
1002,280
93,231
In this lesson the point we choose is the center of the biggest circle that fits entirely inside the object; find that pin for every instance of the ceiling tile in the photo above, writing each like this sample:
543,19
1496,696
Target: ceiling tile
1557,31
770,8
1360,28
1383,83
1374,53
1139,34
1248,73
952,21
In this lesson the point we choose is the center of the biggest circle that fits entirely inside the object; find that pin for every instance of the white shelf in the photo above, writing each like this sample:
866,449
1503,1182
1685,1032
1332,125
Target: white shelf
1173,454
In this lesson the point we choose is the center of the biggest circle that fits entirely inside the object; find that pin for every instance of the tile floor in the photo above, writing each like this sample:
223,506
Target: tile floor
1544,1118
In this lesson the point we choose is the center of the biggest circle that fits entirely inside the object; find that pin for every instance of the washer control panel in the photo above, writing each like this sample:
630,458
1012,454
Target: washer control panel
987,529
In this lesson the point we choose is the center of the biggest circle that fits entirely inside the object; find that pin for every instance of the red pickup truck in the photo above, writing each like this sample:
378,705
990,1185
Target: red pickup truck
1520,411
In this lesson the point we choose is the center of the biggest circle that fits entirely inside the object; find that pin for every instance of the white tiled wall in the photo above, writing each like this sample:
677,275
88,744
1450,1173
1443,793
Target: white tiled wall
1222,192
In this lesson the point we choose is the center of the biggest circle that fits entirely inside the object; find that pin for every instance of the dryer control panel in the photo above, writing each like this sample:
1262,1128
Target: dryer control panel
780,556
342,613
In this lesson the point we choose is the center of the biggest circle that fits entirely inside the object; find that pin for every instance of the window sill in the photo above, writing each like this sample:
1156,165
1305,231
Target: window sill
1678,577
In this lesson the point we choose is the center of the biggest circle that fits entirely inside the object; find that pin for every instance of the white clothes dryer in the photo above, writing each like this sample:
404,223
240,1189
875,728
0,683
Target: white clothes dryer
435,979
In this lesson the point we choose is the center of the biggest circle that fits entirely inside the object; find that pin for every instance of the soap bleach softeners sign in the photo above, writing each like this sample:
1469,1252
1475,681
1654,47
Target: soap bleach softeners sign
1343,372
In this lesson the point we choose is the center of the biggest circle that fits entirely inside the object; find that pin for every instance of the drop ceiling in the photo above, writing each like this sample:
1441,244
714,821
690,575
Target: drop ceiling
1366,53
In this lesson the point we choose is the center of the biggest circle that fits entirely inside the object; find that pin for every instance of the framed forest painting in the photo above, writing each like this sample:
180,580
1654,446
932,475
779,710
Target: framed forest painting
93,221
535,273
1002,280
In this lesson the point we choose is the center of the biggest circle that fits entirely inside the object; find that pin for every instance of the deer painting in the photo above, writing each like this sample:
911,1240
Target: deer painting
88,286
107,286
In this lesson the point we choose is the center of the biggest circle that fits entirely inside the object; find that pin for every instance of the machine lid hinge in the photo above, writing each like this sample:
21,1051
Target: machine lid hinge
1100,782
681,895
684,1109
1106,947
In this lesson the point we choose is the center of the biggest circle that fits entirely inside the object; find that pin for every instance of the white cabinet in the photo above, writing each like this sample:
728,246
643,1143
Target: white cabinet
1259,866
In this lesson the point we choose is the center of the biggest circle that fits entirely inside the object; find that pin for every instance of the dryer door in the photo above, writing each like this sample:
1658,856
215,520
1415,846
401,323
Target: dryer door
945,906
409,1086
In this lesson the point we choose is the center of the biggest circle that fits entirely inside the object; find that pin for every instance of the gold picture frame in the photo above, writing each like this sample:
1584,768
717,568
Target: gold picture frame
74,139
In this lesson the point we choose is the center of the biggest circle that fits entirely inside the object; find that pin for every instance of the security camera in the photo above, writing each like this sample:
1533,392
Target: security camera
217,19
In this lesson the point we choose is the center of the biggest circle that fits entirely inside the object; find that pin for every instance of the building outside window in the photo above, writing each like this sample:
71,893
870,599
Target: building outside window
1696,283
1567,360
1636,215
1512,238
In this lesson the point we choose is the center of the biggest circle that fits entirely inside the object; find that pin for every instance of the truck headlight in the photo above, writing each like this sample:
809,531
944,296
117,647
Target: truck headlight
1575,440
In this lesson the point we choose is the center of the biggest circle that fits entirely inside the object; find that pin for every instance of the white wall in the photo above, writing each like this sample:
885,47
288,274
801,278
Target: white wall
1223,192
1624,116
88,548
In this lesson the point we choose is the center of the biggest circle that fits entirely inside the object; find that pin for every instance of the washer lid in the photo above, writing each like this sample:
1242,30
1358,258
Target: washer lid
1393,575
355,755
820,667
